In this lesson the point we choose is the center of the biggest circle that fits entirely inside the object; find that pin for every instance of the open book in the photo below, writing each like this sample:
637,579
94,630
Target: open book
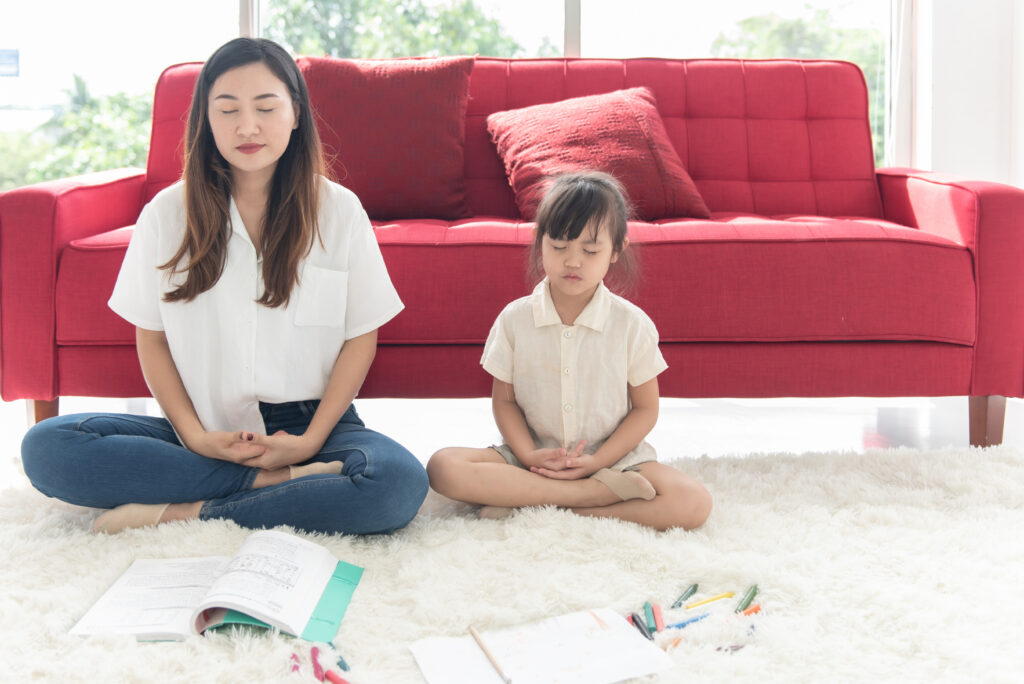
274,580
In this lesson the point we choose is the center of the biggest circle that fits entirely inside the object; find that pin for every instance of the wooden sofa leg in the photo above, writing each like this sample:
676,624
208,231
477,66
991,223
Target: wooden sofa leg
987,416
41,410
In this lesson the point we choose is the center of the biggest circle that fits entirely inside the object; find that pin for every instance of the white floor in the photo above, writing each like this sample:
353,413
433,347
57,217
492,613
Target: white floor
686,427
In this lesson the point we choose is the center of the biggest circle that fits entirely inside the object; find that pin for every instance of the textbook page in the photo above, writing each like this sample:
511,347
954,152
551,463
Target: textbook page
154,599
275,577
588,647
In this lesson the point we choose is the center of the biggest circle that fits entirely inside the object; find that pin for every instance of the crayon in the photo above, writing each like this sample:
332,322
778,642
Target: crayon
747,598
690,591
728,594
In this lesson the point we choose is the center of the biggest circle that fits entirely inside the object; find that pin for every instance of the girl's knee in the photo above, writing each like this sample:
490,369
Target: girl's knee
690,503
694,505
441,469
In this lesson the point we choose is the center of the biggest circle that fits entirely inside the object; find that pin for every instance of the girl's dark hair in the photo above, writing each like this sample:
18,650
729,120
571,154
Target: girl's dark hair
580,199
290,226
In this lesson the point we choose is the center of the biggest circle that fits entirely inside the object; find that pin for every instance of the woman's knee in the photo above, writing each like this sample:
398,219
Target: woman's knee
406,484
39,452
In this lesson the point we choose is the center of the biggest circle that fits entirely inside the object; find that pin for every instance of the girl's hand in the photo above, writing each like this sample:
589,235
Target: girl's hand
561,464
236,447
281,450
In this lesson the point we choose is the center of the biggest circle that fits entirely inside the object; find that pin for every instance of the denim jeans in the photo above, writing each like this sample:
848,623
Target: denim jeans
103,460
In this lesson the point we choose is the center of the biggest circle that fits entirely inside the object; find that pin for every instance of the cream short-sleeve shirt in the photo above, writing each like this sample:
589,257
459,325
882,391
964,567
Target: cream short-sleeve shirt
571,380
233,353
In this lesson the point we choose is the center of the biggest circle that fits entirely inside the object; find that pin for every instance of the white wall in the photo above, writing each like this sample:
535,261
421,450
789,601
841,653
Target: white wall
967,90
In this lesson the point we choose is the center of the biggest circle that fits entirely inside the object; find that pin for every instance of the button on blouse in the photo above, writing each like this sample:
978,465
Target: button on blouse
572,381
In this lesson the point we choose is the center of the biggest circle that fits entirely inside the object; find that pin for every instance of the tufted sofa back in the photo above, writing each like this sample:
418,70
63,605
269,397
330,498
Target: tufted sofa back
757,136
762,137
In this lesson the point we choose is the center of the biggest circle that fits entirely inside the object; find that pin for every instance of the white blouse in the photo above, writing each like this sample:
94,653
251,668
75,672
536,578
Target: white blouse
233,353
571,381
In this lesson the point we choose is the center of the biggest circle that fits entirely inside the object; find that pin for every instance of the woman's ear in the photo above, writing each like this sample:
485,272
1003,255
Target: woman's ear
295,106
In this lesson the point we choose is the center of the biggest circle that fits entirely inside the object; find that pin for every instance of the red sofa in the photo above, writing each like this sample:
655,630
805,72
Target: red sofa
816,274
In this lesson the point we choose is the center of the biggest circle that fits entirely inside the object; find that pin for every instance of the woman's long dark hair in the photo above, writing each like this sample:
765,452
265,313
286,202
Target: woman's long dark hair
290,226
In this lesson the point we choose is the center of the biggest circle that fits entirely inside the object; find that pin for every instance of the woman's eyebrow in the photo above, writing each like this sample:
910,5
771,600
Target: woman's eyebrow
264,96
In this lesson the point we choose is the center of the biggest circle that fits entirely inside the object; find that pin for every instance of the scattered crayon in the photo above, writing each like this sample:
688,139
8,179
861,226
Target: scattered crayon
728,594
747,598
690,591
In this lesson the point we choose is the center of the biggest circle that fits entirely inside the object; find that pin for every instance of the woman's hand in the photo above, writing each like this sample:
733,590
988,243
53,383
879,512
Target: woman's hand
237,447
281,450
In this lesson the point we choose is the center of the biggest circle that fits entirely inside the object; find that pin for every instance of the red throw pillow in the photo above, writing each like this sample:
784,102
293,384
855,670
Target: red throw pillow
394,131
620,133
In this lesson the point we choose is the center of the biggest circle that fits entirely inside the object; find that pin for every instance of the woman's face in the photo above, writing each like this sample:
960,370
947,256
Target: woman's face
252,117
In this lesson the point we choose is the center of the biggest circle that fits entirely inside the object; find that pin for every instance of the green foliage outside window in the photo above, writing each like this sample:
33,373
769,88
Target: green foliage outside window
86,134
388,28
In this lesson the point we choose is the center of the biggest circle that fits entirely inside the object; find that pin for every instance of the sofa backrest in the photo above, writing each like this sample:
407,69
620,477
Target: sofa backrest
757,136
764,137
171,103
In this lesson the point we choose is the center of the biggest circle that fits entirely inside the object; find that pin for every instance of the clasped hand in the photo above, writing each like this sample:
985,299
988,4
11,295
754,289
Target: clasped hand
269,452
562,464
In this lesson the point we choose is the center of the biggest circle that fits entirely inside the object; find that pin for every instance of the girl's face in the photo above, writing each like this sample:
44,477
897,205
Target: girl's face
252,118
576,267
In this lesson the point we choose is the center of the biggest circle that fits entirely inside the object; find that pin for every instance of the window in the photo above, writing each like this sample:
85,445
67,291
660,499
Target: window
81,95
397,28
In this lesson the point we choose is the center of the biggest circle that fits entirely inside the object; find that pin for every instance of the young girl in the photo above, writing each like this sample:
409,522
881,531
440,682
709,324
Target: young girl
575,388
256,287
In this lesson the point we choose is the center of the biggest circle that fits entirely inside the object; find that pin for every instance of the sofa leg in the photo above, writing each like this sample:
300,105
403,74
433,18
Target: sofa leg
40,409
987,415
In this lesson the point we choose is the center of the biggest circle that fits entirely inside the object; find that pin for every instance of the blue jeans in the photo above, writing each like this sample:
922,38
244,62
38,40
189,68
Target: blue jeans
103,460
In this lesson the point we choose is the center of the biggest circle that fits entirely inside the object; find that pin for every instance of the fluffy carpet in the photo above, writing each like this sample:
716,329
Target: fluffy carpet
895,565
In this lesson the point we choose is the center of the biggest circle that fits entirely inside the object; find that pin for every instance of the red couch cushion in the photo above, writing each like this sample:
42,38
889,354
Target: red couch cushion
401,149
778,279
760,279
619,132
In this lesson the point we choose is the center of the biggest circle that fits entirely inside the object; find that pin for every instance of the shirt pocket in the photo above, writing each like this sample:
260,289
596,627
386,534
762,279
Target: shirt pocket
323,294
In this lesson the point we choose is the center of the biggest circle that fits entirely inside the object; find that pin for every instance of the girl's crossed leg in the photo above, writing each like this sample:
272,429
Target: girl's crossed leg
482,476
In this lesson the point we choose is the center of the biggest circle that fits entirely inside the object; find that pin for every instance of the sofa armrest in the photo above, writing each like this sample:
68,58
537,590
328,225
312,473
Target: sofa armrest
988,219
36,223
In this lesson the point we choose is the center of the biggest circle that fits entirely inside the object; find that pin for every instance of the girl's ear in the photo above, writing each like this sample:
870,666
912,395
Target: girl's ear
295,106
617,253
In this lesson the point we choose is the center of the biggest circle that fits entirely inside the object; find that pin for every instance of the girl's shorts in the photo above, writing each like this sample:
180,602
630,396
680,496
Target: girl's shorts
628,462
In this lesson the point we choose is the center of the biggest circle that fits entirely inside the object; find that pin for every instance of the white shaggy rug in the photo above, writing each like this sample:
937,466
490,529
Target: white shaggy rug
899,565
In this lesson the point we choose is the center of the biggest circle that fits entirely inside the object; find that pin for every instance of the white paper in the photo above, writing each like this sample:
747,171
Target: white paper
275,577
588,647
154,598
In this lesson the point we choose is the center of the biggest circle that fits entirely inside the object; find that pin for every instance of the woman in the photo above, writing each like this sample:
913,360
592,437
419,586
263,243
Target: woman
256,287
